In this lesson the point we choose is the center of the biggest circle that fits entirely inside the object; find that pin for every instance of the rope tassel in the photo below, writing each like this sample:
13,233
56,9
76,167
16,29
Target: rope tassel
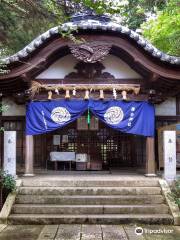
86,97
49,95
74,92
114,93
124,95
57,91
136,91
101,96
88,117
67,96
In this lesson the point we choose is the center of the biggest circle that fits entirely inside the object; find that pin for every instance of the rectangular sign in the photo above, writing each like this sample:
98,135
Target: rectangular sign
10,152
169,150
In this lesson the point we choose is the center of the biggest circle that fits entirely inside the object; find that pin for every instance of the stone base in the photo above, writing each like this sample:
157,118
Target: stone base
28,175
150,175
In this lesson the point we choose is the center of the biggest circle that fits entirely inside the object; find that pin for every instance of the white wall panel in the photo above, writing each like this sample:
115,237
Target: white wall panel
119,68
65,65
167,108
60,68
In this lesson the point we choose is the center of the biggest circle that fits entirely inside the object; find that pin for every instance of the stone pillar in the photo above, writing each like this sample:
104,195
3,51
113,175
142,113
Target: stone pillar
29,155
169,155
10,152
150,157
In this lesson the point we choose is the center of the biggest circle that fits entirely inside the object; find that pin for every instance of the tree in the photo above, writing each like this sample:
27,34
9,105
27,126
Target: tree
21,21
164,30
136,11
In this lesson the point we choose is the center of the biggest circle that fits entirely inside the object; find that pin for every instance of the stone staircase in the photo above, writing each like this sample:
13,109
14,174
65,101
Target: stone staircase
102,201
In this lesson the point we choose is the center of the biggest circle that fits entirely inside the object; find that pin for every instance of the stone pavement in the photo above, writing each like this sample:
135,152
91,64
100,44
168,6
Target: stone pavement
88,232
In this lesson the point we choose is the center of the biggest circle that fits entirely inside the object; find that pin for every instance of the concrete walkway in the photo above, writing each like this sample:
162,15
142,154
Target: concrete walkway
88,232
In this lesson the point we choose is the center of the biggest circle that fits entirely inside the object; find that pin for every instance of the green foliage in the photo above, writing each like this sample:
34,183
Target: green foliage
7,181
3,69
69,33
3,108
22,21
175,192
101,6
136,10
164,31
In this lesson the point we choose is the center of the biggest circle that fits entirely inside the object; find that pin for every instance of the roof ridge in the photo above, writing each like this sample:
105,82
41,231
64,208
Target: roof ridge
91,24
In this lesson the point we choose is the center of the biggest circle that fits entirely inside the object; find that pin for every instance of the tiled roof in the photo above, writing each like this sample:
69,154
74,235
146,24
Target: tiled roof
93,24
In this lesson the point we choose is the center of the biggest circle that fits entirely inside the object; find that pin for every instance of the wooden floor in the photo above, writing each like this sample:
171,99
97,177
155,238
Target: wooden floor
88,175
110,172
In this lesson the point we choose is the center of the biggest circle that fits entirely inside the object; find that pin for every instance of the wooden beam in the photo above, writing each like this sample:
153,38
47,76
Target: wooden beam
42,96
90,81
154,77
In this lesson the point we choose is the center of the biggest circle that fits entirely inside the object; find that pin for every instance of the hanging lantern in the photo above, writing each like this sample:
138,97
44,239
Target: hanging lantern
67,96
124,95
49,95
101,95
114,93
57,91
74,92
86,97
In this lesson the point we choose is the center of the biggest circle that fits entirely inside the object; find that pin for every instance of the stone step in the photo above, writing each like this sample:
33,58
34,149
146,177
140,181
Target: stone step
91,183
90,219
91,200
89,209
89,190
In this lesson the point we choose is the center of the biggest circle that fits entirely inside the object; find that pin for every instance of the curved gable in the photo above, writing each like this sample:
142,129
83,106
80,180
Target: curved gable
130,56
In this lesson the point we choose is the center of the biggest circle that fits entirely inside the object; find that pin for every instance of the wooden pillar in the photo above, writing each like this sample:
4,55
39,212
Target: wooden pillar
29,155
150,157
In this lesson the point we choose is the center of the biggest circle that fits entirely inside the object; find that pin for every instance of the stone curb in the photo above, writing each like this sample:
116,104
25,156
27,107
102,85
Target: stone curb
174,209
5,211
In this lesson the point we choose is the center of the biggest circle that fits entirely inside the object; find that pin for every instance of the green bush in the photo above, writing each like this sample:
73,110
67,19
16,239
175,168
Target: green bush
175,191
7,181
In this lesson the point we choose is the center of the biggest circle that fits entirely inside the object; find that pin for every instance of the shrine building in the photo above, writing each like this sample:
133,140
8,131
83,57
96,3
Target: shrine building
92,103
